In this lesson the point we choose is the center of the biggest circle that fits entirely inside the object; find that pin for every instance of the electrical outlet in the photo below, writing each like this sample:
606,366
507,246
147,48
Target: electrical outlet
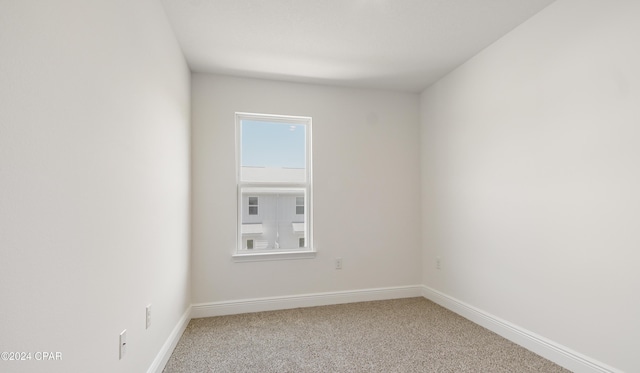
148,317
123,343
338,263
438,263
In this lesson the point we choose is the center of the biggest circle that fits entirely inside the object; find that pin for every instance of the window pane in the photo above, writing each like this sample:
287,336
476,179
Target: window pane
299,205
272,151
278,227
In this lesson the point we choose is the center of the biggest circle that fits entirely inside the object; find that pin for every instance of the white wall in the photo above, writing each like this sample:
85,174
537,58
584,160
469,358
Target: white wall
94,182
531,175
367,195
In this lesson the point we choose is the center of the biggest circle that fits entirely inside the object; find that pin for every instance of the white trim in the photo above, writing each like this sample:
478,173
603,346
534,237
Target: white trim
158,364
234,307
240,253
266,255
561,355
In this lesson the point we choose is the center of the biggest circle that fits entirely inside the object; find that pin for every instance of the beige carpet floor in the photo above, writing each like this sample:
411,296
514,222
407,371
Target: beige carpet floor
403,335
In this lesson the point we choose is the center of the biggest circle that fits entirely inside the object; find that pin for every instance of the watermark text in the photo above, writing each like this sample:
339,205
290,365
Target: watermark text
26,356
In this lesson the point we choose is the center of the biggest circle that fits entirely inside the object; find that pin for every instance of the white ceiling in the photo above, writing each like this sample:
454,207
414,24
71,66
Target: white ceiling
388,44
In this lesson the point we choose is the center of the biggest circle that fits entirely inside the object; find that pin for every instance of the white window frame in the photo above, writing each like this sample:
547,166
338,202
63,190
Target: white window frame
242,254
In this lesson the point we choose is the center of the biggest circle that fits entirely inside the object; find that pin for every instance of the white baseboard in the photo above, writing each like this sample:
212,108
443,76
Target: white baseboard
167,348
544,347
305,300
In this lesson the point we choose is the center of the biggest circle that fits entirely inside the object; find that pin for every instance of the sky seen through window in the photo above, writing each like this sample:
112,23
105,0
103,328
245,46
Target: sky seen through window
273,144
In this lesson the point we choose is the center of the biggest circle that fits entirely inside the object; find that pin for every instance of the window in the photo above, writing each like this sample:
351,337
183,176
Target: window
299,205
253,205
273,165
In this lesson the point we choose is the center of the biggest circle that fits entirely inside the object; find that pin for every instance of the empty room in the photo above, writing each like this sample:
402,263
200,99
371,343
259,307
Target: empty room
319,186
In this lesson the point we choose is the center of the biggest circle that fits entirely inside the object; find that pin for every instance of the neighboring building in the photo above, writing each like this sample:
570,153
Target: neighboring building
273,218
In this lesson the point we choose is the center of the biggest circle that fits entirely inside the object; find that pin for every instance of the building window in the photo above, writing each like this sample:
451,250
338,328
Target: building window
253,205
249,244
274,171
299,205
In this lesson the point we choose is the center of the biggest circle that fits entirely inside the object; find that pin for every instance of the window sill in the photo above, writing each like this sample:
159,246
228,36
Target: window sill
279,255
